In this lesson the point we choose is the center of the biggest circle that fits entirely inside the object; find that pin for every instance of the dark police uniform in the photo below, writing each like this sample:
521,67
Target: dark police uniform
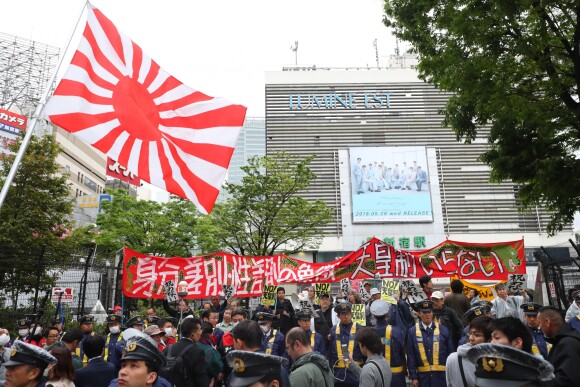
273,343
427,351
114,343
475,311
342,336
87,319
539,345
250,367
316,339
393,341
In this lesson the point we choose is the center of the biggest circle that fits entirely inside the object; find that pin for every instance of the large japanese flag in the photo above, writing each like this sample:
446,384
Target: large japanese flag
114,97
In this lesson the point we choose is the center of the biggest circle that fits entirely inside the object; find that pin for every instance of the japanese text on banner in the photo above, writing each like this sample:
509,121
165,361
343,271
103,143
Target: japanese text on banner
358,314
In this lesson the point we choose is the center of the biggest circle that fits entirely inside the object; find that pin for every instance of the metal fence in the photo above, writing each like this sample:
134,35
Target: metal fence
27,279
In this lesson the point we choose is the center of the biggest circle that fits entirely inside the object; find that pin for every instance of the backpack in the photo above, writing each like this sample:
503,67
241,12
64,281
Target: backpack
174,369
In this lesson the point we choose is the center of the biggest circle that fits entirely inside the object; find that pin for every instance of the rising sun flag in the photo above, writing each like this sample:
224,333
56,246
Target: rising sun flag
116,98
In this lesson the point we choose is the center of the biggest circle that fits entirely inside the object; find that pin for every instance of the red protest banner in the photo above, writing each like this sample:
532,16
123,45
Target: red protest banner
144,276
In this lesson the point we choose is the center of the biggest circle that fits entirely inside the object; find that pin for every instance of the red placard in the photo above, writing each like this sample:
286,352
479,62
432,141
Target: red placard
12,122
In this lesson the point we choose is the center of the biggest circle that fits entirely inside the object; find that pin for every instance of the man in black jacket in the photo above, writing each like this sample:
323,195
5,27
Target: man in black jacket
193,358
565,352
447,317
98,372
176,313
323,319
284,311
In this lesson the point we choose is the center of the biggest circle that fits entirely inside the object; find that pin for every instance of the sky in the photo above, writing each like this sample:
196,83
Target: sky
221,47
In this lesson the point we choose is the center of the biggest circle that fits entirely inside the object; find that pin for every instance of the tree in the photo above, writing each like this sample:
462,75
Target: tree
513,65
264,214
34,219
148,227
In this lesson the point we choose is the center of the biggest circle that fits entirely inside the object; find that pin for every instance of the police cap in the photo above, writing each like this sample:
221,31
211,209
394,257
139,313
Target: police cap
504,366
343,307
23,353
264,317
23,323
137,320
86,319
250,367
304,314
141,347
476,311
531,309
425,306
576,296
113,318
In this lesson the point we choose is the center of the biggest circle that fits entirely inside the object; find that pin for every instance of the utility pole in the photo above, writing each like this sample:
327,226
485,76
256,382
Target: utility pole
295,49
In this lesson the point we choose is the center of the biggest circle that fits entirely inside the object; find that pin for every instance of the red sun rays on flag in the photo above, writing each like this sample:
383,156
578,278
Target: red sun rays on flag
116,98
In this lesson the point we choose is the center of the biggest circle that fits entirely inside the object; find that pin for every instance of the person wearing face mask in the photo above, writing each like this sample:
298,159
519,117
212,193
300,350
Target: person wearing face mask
23,326
35,336
167,325
114,342
273,341
4,353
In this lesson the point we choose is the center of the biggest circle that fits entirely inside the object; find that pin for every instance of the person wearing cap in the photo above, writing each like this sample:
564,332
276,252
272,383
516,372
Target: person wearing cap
447,317
393,342
255,369
140,364
57,322
98,372
86,326
505,305
477,310
459,371
309,368
574,309
342,345
316,340
136,322
565,352
71,340
428,345
192,355
323,319
503,366
375,294
26,365
427,285
458,301
238,315
272,339
23,326
539,345
114,343
156,334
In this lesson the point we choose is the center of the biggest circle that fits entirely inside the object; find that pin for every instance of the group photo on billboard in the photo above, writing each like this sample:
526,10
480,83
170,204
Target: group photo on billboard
390,184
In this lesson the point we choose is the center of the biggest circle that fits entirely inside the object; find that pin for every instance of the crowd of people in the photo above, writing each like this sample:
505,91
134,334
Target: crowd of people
442,340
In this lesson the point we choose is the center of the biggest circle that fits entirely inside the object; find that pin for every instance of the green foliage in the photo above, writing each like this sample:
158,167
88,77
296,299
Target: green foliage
148,227
264,214
34,219
513,65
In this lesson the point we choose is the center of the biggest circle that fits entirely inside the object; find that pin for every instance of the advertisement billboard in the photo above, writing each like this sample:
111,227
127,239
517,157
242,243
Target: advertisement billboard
390,185
12,122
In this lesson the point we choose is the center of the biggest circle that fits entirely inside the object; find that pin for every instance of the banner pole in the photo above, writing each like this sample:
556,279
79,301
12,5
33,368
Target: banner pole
38,112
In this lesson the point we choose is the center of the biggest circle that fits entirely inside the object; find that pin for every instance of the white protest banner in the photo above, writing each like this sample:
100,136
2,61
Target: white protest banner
170,292
228,291
389,290
344,287
516,282
415,293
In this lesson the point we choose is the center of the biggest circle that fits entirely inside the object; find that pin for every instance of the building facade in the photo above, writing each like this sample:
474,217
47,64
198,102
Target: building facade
389,119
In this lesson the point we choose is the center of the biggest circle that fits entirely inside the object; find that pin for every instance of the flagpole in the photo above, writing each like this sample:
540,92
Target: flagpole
39,109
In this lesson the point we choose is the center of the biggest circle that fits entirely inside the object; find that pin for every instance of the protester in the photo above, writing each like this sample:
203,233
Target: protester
71,340
447,317
426,285
114,343
156,334
62,373
539,345
51,336
4,353
342,344
353,297
428,346
323,318
473,296
376,371
511,331
57,322
459,371
272,340
375,295
565,352
457,301
213,363
35,335
284,311
392,342
140,364
26,365
574,308
503,366
98,372
227,345
212,316
309,368
256,369
118,310
506,306
193,356
226,324
182,310
168,326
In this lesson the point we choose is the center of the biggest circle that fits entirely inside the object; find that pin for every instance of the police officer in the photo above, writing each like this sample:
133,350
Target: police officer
273,342
23,326
58,323
342,343
500,365
473,312
140,364
429,344
255,369
114,343
86,325
26,365
136,323
539,345
316,340
393,342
